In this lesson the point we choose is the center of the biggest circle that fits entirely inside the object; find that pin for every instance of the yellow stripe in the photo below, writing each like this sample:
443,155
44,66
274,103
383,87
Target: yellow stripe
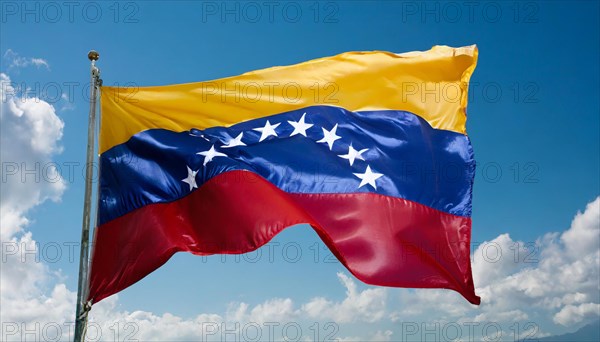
432,84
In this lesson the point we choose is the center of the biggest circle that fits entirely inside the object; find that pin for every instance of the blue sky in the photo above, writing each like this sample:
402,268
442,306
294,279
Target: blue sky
533,120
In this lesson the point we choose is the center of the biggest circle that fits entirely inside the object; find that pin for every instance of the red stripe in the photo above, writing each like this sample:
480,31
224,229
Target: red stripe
382,240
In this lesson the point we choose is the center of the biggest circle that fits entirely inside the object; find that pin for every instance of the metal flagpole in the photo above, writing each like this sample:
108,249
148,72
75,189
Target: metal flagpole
82,307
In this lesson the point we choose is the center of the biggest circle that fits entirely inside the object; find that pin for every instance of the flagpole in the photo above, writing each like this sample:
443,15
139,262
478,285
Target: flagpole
82,306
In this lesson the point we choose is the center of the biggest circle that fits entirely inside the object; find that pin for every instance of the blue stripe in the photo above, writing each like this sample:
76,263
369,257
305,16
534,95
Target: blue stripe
419,163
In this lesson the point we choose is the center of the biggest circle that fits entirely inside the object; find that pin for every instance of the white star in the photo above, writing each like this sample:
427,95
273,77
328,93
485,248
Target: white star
329,137
300,127
353,154
210,154
237,141
191,178
267,131
368,177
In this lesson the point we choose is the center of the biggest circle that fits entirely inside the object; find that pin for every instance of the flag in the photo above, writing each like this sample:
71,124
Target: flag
368,148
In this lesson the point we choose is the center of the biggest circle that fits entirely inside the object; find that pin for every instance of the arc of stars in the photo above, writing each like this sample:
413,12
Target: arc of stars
369,177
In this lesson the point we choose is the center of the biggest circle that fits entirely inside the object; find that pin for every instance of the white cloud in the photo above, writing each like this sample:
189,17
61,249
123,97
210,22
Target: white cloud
30,135
379,336
382,336
567,272
15,61
497,259
572,314
368,305
272,310
107,321
583,236
67,103
268,319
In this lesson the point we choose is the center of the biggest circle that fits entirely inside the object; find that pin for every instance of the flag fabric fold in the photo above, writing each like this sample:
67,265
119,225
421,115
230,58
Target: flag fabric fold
368,148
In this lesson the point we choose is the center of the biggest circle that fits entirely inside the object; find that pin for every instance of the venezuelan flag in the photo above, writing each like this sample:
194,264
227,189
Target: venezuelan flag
368,148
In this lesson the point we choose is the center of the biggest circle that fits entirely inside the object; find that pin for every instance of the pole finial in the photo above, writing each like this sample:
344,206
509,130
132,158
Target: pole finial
93,55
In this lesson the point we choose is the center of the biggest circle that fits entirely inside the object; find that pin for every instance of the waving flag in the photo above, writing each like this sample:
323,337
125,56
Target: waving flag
368,148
